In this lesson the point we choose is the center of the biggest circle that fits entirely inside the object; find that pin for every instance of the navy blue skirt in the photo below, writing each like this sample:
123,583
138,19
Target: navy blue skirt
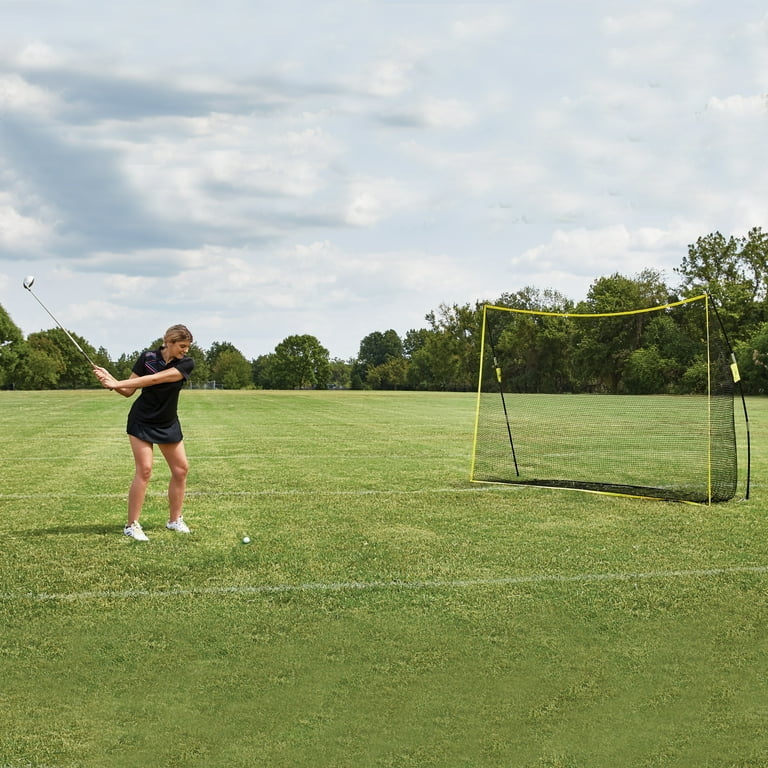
151,433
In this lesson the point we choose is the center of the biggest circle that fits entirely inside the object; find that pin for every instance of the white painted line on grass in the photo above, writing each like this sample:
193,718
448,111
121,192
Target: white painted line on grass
265,492
357,586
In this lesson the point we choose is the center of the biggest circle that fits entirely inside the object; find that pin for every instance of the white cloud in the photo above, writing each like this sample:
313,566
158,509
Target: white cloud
574,258
647,21
38,55
484,170
17,95
369,200
390,77
447,113
19,233
166,262
740,106
482,28
223,170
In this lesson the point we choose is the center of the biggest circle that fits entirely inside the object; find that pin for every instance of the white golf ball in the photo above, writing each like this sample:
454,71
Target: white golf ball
246,540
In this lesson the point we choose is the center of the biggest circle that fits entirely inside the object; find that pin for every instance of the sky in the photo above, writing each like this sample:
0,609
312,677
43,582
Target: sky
256,170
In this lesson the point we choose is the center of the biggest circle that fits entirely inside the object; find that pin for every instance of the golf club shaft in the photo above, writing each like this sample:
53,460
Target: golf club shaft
71,338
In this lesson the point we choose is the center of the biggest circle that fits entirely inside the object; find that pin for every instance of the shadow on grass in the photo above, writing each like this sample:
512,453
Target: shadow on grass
67,530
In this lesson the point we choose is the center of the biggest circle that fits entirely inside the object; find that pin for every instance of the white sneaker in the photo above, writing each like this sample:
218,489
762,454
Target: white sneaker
177,525
135,531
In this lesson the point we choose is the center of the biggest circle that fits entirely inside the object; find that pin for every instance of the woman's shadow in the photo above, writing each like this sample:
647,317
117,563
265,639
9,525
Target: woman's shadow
65,530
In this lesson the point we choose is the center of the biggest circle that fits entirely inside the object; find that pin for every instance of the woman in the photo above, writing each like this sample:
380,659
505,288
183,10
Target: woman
160,375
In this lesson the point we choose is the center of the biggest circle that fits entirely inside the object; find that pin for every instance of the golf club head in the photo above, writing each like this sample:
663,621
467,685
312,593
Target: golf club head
29,281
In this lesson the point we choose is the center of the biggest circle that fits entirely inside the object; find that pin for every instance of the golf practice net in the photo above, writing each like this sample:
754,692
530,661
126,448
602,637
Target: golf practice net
637,403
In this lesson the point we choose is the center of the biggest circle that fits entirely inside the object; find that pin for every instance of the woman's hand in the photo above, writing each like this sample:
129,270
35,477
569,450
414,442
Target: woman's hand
108,381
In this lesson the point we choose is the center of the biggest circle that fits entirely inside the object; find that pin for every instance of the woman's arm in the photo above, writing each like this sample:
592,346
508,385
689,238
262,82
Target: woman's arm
127,387
126,391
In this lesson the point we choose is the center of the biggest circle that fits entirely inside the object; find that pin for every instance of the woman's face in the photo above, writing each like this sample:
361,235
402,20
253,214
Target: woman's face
178,349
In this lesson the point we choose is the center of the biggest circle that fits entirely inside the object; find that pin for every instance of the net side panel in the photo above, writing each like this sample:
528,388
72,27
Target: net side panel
666,446
724,452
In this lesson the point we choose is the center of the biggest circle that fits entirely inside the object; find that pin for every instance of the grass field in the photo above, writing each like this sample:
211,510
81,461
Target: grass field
386,613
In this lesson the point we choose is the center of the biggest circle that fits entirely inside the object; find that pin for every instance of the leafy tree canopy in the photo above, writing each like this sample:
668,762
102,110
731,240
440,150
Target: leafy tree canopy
640,357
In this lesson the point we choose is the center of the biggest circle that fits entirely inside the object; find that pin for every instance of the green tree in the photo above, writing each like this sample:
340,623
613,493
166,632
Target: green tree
390,375
376,349
644,374
733,271
666,352
231,370
423,361
340,374
453,348
300,362
202,371
414,340
216,349
121,368
752,357
530,298
41,364
534,351
602,348
78,372
11,347
262,371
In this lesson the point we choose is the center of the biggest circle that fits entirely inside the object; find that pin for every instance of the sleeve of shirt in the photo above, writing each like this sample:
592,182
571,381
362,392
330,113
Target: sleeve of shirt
186,366
138,366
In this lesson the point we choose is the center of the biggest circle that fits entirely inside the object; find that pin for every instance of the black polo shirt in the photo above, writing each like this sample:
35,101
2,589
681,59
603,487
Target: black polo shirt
158,404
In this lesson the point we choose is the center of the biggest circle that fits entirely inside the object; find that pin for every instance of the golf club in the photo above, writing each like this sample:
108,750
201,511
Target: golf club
28,283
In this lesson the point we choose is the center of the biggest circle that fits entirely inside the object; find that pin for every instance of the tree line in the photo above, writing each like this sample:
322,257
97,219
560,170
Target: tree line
444,354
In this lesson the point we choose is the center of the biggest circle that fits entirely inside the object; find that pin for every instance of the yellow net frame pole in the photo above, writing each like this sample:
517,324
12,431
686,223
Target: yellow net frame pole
709,404
479,392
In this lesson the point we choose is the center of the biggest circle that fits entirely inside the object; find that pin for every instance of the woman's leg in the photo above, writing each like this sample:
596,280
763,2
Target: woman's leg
143,457
176,457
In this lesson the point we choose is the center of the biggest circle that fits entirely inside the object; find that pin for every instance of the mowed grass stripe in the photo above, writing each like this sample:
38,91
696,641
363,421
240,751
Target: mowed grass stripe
501,581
